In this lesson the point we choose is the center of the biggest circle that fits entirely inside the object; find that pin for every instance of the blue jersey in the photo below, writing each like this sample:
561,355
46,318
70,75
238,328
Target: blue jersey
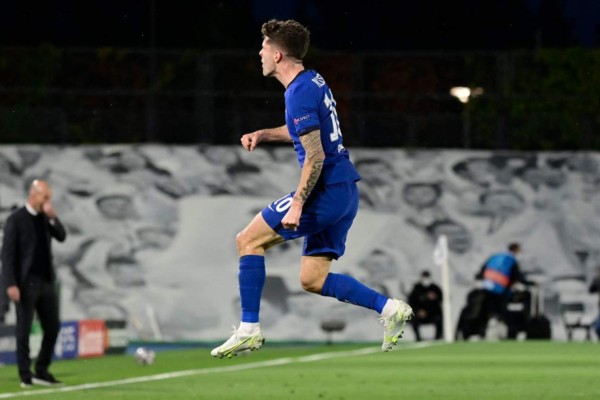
309,105
497,276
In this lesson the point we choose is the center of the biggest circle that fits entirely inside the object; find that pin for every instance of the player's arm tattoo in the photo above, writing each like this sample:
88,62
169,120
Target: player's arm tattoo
313,164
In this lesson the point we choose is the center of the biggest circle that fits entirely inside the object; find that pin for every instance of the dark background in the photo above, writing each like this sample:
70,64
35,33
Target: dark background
188,72
336,25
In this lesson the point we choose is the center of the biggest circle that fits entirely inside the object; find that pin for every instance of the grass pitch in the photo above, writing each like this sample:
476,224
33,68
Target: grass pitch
481,370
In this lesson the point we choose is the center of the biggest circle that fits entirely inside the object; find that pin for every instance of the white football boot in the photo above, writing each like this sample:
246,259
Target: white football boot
393,323
239,342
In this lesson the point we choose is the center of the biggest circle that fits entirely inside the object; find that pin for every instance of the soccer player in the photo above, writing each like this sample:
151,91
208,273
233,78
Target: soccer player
322,207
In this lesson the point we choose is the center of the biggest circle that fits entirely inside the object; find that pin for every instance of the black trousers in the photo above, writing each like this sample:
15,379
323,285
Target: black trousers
495,305
435,320
4,301
41,297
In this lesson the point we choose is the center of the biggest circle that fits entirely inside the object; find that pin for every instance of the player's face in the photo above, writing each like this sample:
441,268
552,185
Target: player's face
267,58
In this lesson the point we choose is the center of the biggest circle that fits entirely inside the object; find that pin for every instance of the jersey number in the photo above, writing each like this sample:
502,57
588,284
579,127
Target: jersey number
335,122
283,203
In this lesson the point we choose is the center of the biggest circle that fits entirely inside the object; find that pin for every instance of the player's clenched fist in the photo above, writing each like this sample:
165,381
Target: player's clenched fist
250,140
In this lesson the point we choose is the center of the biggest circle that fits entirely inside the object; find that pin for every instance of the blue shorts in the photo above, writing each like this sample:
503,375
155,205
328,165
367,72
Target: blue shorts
326,218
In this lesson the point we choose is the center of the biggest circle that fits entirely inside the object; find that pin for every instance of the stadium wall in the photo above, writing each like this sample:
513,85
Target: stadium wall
152,228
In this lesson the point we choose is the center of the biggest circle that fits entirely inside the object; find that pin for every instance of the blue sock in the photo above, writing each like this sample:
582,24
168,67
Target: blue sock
349,290
252,279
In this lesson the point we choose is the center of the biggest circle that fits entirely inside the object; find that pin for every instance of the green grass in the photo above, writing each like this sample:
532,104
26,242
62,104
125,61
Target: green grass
482,370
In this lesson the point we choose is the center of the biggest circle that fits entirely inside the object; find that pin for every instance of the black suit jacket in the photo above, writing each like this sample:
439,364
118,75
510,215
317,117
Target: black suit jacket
19,244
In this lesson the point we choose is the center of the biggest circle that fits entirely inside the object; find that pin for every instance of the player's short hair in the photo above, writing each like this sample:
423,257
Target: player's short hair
290,35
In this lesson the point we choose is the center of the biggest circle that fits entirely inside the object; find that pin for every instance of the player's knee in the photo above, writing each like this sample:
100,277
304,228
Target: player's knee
311,283
245,243
248,244
240,240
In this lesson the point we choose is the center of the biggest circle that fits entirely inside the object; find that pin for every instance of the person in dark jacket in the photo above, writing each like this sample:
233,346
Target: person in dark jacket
4,301
426,302
499,272
595,288
29,278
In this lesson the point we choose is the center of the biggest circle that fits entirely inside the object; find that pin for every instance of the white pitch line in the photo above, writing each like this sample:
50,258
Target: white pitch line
204,371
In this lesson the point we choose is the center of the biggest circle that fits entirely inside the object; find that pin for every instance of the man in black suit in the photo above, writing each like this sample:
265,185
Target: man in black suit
29,278
4,302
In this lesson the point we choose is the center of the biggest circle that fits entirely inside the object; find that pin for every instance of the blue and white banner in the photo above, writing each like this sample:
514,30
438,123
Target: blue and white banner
67,342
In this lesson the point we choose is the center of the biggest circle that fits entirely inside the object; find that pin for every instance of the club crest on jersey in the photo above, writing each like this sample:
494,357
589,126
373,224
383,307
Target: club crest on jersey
318,80
301,119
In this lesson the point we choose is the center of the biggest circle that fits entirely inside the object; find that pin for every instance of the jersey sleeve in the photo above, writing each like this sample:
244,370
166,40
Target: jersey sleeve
303,108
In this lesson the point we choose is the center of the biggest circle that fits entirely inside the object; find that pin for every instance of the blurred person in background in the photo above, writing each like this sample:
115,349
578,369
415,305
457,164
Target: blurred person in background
29,278
499,272
426,301
321,209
